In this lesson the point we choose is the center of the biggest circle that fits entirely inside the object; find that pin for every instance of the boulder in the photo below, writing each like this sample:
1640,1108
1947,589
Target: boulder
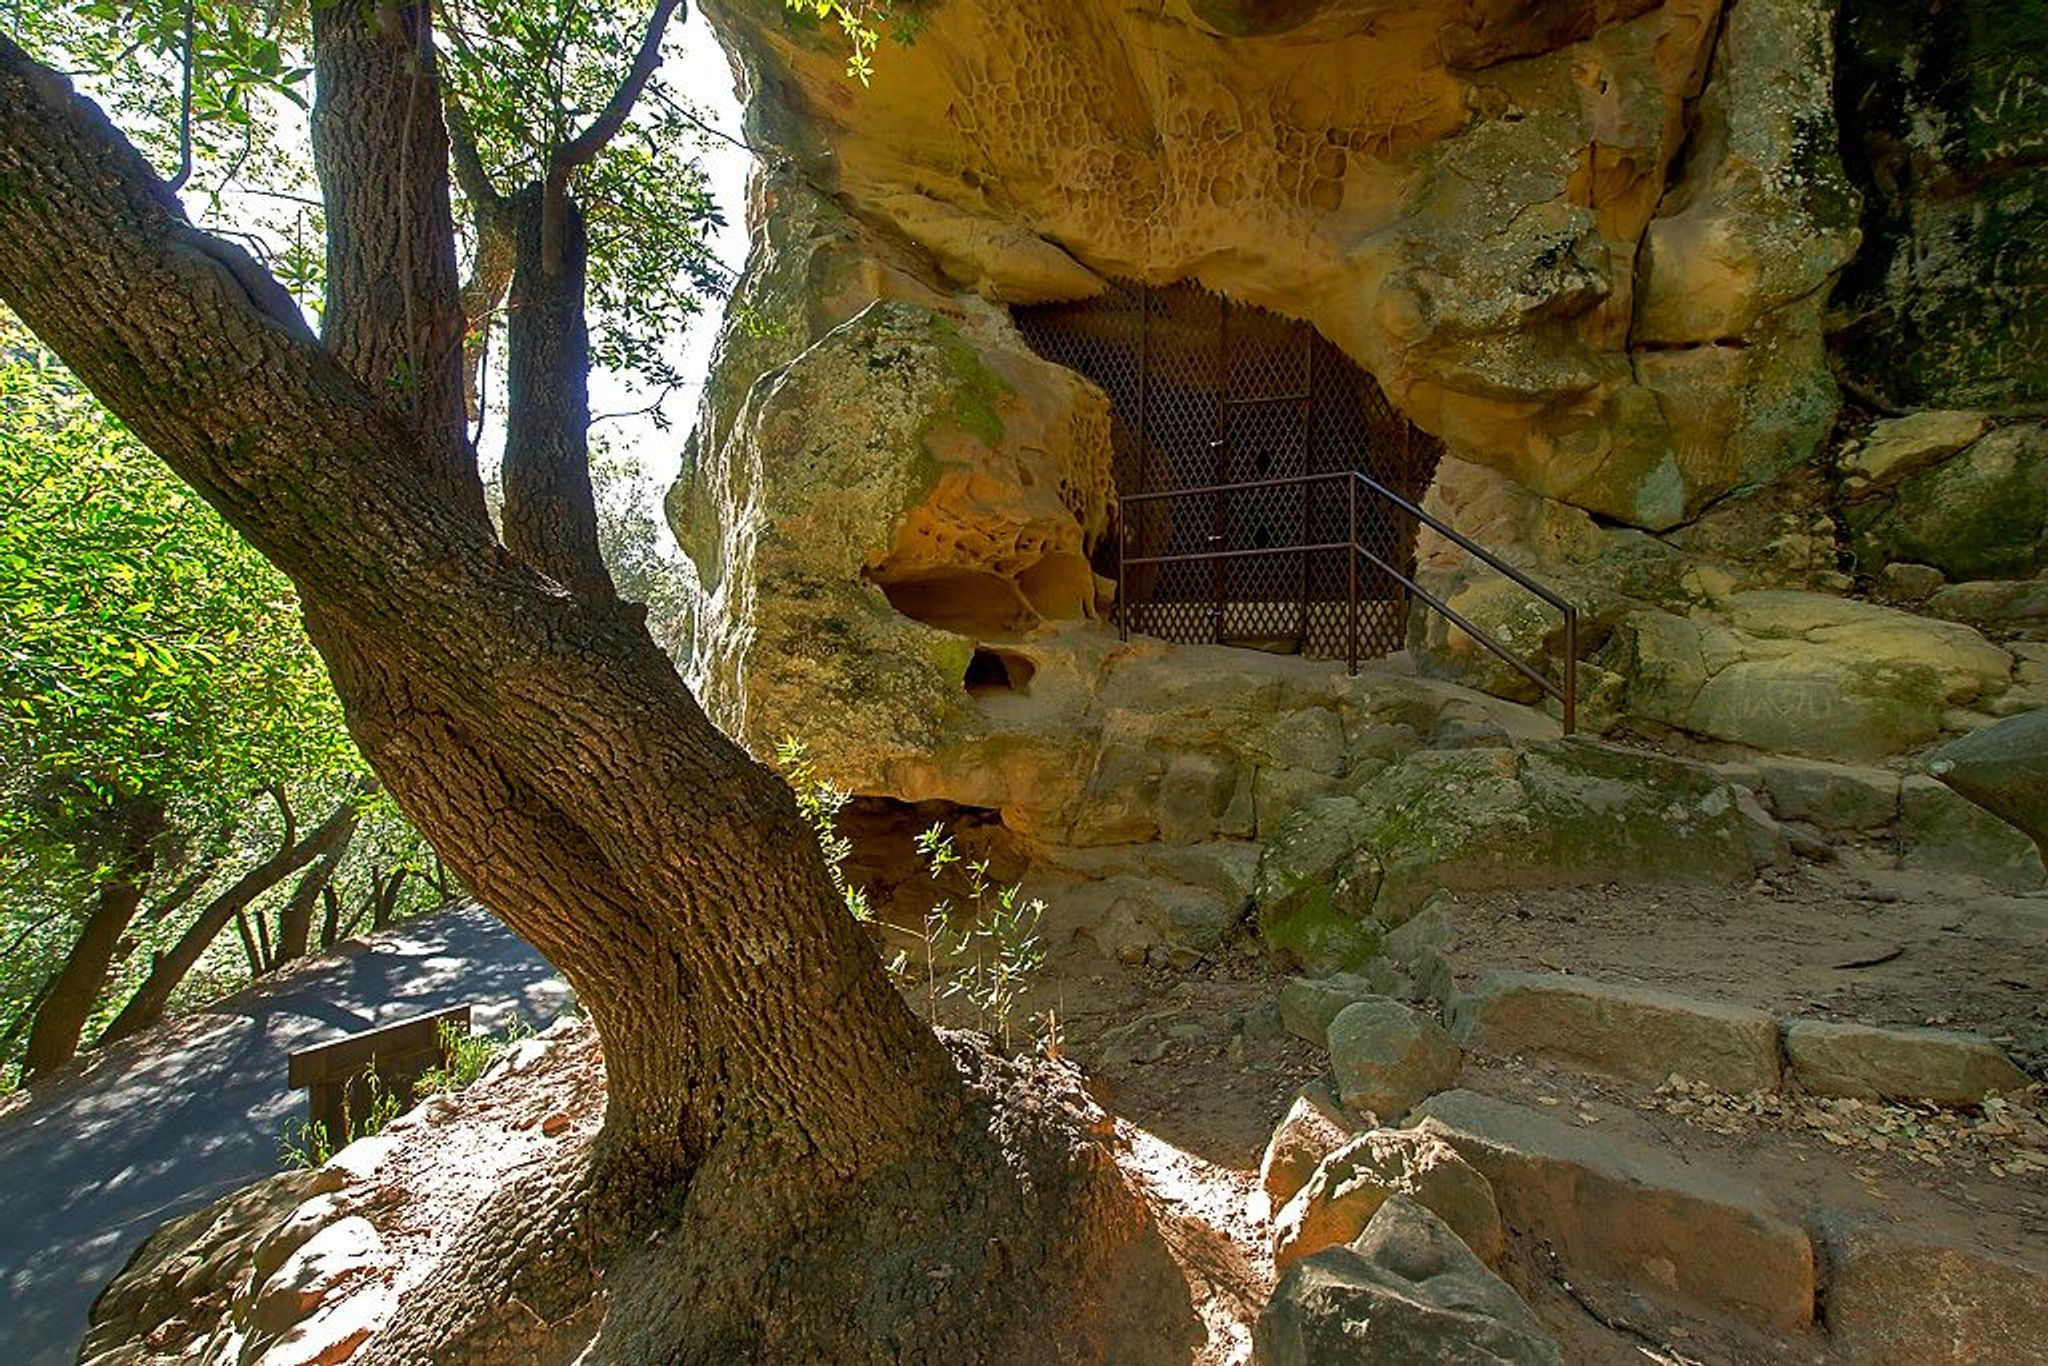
1943,831
1831,796
2004,769
1315,1126
1907,583
335,1332
1949,1068
1386,1057
2004,606
1901,1296
1349,1185
1408,1290
1901,446
346,1249
1804,673
1982,514
1543,813
1633,1214
1632,1033
293,1232
173,1297
1429,931
1308,1004
1316,887
1430,978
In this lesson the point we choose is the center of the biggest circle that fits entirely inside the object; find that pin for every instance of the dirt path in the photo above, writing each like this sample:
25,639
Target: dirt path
1849,941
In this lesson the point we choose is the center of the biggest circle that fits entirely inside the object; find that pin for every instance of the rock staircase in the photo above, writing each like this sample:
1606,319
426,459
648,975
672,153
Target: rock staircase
1677,1236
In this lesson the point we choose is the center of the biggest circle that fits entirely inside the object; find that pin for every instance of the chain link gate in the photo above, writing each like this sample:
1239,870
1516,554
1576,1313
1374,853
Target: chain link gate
1236,433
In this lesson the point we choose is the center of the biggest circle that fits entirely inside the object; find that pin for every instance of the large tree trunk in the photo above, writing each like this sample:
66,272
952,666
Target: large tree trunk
170,968
550,514
384,894
68,1001
330,916
382,159
848,1188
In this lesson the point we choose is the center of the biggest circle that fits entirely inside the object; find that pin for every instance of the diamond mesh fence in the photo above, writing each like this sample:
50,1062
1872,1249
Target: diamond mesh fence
1225,416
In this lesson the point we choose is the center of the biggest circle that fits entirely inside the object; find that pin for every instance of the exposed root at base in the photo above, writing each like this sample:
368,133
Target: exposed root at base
1010,1234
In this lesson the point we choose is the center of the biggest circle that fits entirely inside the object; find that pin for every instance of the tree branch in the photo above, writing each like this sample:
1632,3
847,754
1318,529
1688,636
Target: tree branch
177,182
606,125
592,140
284,810
497,249
27,930
464,157
174,900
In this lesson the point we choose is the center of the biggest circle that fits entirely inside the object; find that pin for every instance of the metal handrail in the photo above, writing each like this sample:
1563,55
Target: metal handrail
1566,691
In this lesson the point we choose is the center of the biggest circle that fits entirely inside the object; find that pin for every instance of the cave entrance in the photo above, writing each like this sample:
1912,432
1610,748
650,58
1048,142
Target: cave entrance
1238,436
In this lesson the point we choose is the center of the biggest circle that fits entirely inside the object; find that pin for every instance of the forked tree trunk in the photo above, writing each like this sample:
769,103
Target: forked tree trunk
377,125
295,921
68,1001
550,513
847,1187
384,894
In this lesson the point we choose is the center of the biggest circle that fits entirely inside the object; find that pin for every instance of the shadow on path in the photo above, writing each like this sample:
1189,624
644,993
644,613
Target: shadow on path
176,1118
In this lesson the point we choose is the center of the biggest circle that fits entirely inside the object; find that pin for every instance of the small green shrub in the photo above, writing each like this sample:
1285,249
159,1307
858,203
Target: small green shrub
306,1143
469,1057
990,963
821,802
999,951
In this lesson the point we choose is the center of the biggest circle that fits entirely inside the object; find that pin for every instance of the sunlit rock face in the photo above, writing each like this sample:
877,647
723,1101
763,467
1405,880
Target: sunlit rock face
1586,243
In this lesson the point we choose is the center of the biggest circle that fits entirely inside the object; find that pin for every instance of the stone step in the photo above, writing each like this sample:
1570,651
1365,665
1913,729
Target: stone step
1898,1296
1945,1066
1640,1034
1840,797
1629,1033
1626,1212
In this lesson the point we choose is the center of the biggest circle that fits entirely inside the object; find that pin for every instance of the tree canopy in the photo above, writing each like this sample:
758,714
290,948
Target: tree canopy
149,659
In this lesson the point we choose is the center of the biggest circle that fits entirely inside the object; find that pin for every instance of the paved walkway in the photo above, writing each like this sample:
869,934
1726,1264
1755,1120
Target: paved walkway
178,1118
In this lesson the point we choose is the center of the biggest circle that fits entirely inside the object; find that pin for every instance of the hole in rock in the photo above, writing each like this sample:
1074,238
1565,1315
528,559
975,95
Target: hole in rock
885,863
993,672
970,601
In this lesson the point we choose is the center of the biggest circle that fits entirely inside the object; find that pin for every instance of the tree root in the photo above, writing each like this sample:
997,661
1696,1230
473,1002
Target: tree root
1011,1235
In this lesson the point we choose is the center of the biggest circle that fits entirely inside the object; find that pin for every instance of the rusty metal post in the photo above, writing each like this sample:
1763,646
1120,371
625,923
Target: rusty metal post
1123,548
1123,521
1308,492
1219,470
1571,670
1351,575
